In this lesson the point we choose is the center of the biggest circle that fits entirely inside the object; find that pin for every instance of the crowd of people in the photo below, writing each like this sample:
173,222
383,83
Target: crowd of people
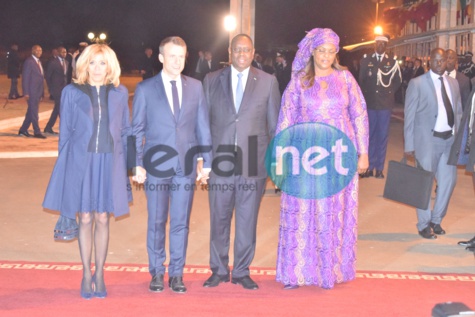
214,129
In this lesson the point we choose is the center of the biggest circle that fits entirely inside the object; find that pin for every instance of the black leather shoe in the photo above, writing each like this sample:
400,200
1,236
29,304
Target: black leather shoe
50,131
156,285
426,233
177,285
379,174
367,174
437,229
26,133
39,136
470,242
245,281
215,279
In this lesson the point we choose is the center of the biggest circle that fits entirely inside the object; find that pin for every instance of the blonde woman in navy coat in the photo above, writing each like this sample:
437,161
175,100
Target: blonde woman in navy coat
90,175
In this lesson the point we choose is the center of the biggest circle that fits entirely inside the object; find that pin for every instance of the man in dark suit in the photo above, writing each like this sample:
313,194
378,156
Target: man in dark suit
69,58
244,105
379,79
432,113
147,64
464,82
208,65
33,90
13,71
283,71
463,150
170,113
418,70
56,77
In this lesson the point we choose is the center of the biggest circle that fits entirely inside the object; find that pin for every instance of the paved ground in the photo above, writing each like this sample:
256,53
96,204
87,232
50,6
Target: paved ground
388,239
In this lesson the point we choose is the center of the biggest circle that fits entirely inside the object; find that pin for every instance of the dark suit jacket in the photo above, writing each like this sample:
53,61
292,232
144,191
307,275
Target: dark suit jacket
69,74
465,87
13,64
32,79
55,77
417,72
378,97
253,126
458,147
205,68
76,126
153,120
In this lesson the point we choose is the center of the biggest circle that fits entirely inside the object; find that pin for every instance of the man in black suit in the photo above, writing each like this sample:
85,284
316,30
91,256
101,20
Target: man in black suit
283,71
244,105
418,69
147,64
56,78
13,71
463,150
463,80
33,90
208,65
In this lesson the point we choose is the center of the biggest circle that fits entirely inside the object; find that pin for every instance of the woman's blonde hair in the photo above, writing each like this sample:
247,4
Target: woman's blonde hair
113,67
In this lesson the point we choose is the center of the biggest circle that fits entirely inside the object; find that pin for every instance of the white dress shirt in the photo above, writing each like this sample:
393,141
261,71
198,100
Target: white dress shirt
441,125
168,89
234,79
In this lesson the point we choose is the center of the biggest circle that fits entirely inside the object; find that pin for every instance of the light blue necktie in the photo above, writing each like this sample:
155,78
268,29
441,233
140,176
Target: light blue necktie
239,92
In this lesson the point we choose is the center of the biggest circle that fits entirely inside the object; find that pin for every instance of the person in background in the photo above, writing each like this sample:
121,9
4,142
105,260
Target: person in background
321,91
56,77
380,78
464,82
147,69
33,90
90,174
13,71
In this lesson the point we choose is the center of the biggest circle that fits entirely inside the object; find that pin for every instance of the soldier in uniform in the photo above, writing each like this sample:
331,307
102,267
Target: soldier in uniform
379,79
13,71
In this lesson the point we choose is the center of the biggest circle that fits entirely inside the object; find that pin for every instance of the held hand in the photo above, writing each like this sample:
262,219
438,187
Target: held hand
201,173
363,163
140,175
409,155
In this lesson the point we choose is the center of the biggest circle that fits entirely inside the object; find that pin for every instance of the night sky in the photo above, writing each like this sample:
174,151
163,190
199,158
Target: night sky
132,24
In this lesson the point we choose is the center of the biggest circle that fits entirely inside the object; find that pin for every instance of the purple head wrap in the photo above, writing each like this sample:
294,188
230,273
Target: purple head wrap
310,42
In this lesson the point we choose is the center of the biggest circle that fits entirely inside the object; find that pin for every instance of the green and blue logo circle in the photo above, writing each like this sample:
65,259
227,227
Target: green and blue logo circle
311,160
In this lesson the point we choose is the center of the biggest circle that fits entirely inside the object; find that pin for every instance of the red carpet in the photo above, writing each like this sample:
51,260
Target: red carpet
46,289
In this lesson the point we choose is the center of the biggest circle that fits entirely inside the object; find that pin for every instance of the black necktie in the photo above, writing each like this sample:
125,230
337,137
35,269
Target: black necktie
176,100
447,105
379,58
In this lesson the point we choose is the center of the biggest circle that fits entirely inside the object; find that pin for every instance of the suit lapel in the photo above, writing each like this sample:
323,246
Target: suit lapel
161,95
249,89
225,79
185,96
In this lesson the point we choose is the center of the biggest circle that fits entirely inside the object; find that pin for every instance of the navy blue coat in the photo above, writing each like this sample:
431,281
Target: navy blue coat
76,127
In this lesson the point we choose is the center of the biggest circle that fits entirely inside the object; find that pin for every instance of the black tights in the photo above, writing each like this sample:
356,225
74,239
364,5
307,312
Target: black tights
101,243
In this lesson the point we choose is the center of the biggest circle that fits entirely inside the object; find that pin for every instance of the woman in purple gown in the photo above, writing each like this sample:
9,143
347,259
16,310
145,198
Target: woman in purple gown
317,237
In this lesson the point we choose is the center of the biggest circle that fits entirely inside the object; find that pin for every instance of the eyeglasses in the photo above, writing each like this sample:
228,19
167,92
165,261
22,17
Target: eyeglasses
241,50
323,52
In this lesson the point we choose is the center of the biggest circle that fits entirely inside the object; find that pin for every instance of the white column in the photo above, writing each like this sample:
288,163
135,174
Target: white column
245,13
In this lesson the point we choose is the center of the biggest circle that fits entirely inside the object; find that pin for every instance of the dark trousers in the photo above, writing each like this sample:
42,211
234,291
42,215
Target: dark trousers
31,116
172,196
378,137
225,195
14,89
54,113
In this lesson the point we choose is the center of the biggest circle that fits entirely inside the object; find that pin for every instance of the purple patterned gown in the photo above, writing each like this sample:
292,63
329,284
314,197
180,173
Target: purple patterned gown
317,237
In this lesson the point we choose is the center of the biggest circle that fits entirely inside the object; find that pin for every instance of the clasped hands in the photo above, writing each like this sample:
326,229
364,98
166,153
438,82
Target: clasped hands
202,174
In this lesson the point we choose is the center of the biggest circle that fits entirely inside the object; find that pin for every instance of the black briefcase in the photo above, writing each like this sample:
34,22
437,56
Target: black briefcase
408,184
451,309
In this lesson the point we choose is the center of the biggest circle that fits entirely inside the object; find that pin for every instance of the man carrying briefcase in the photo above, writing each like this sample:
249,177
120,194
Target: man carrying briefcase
432,113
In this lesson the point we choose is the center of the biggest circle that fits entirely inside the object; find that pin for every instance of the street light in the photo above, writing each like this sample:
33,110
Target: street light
230,23
378,30
97,39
